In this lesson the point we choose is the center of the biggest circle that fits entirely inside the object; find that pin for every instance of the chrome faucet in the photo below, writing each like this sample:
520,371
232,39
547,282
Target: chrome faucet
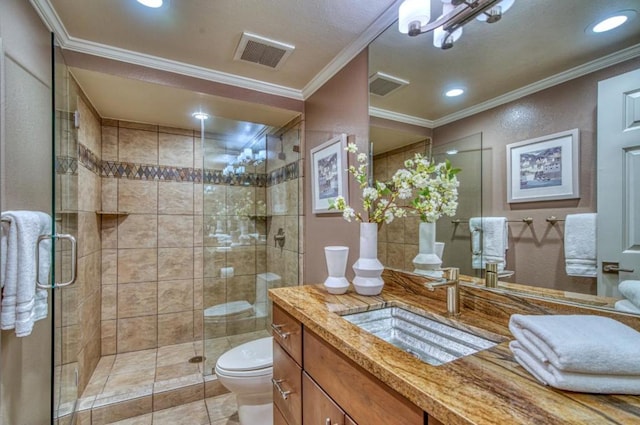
451,282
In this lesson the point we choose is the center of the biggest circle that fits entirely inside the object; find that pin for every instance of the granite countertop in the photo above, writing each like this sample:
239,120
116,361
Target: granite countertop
485,388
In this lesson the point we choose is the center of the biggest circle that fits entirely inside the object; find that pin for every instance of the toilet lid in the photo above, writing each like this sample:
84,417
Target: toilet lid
232,308
257,354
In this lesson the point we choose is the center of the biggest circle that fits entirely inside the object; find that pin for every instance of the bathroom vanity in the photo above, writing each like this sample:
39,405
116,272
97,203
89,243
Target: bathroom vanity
330,371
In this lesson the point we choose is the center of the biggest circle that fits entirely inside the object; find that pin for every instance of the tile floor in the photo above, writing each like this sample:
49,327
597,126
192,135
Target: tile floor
150,386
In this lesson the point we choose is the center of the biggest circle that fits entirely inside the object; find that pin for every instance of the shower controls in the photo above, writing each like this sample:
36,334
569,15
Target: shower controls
279,238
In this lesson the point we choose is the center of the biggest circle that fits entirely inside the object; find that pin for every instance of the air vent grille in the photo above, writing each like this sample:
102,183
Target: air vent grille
382,84
262,51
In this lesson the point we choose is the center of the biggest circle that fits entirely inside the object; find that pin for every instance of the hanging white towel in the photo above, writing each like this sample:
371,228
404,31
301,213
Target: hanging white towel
580,245
489,241
22,302
579,343
547,374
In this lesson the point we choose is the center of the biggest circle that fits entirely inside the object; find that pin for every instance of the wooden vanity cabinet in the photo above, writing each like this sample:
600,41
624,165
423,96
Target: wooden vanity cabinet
287,370
314,384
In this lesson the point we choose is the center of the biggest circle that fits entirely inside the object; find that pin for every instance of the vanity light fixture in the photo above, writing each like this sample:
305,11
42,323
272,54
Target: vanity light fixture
454,92
414,17
151,3
612,21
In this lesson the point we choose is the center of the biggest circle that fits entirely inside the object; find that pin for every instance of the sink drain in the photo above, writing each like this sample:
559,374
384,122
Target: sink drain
196,359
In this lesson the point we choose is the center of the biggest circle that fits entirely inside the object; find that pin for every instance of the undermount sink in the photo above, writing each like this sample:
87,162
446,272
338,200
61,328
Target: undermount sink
427,339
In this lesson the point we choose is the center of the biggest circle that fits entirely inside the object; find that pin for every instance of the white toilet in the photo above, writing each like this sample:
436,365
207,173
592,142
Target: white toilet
246,371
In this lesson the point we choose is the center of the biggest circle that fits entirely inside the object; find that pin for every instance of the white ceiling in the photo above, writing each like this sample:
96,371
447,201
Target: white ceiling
535,40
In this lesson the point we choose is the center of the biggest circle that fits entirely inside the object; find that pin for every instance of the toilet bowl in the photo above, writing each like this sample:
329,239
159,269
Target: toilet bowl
246,371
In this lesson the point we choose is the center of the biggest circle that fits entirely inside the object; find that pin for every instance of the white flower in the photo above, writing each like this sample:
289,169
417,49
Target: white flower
432,189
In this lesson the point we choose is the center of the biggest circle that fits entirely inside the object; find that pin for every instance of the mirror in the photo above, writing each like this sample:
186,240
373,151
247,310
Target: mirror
532,74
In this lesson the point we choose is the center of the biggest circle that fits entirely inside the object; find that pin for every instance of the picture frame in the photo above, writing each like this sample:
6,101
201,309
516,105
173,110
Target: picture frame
329,173
545,168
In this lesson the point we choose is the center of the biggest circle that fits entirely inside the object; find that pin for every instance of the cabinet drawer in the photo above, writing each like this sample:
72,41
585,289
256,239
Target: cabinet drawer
287,386
363,397
287,331
317,406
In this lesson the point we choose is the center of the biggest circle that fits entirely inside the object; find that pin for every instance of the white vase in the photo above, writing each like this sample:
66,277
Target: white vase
336,257
368,268
428,261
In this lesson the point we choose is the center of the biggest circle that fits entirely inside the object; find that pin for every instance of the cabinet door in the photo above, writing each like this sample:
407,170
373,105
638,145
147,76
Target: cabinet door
287,386
349,421
317,407
287,331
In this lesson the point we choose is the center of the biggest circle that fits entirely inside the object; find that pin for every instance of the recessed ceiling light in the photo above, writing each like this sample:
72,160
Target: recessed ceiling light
452,151
454,92
612,21
151,3
200,116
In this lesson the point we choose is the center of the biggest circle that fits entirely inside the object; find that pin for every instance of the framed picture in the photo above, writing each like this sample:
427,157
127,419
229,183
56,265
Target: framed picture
544,169
329,173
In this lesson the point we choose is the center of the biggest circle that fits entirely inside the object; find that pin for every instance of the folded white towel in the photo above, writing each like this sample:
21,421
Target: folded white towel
579,343
489,241
23,303
626,306
580,245
547,374
631,291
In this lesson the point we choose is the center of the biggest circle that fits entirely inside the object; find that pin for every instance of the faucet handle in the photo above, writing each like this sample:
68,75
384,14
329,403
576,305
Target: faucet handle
452,273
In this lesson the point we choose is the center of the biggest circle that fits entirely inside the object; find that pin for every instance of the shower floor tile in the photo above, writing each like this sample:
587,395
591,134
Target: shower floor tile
166,375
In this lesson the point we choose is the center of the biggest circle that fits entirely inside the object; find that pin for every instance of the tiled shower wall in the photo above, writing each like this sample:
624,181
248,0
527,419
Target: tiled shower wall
151,237
284,207
264,203
77,199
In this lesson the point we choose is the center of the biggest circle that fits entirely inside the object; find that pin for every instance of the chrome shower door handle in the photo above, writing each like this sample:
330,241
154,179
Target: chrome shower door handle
38,283
74,260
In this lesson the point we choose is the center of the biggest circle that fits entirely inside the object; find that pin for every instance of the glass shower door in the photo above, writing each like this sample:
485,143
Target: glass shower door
66,323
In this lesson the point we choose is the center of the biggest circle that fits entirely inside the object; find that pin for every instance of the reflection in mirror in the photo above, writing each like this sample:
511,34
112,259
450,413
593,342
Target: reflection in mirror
530,75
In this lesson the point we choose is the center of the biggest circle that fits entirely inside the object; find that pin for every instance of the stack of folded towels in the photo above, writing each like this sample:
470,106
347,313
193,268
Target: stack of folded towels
580,353
630,289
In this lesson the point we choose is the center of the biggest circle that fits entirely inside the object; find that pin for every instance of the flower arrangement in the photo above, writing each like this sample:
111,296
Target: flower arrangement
422,187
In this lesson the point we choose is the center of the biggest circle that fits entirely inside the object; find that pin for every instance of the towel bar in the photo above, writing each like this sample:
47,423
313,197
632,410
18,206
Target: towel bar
527,220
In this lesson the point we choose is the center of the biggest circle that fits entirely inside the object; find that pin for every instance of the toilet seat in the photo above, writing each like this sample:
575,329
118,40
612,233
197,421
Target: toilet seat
254,358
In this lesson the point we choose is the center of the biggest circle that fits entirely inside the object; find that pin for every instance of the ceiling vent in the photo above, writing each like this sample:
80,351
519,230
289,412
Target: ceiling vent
382,84
262,51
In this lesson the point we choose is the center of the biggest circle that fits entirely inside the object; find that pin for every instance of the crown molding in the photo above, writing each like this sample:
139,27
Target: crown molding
396,116
53,22
562,77
352,50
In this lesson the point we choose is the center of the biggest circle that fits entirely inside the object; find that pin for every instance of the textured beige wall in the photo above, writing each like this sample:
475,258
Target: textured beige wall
339,106
25,363
536,252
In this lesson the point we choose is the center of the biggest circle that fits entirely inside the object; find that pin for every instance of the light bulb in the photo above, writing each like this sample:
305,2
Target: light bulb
412,11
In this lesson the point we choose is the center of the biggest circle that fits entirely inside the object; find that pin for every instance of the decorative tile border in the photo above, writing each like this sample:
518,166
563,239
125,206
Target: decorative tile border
66,165
132,171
